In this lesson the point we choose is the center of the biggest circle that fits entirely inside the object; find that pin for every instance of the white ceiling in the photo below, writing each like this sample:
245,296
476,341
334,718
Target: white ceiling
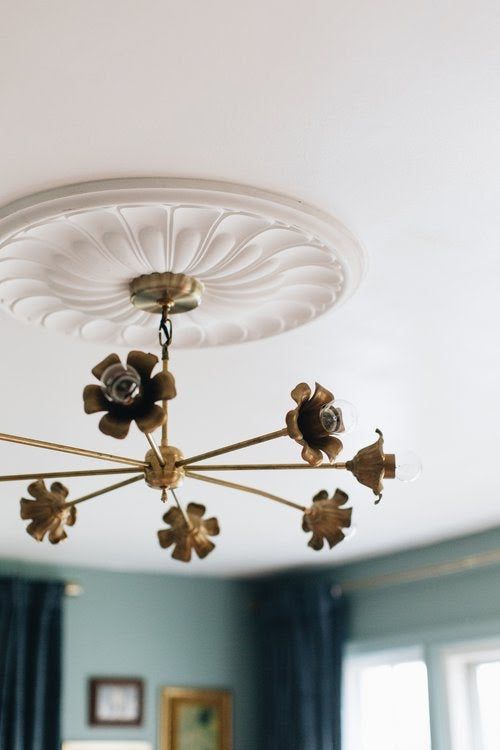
385,114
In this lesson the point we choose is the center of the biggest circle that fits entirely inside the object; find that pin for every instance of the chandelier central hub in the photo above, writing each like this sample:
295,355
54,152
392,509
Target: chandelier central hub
178,292
167,475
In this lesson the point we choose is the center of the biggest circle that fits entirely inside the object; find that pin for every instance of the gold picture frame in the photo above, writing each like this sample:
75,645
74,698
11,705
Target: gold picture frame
193,719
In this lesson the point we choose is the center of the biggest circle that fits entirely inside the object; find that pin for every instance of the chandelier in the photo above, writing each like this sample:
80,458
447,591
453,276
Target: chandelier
138,390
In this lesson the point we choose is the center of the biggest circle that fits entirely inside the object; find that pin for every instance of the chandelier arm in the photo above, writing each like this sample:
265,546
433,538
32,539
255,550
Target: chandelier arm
155,449
164,427
184,514
70,449
103,491
233,447
244,488
261,467
61,474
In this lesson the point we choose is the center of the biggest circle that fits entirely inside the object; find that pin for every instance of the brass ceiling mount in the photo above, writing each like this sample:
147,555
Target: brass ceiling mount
152,292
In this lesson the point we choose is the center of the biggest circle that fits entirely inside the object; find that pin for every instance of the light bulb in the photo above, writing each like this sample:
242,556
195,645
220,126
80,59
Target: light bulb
121,384
349,532
408,466
338,416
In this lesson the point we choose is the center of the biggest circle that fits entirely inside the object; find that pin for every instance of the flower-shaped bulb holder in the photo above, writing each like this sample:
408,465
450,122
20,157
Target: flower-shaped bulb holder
327,518
371,465
313,429
188,531
47,511
142,407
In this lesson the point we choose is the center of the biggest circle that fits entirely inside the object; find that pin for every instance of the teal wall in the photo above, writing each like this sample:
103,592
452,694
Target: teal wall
459,601
169,630
176,630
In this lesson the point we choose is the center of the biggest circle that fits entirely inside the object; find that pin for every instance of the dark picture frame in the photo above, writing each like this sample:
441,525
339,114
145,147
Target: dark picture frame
179,701
116,702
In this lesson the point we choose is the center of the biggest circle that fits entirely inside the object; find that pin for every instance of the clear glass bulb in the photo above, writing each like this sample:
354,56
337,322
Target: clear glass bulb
408,466
121,384
338,417
349,532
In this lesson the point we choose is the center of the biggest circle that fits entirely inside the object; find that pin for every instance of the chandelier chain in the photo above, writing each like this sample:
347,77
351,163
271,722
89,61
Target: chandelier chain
165,332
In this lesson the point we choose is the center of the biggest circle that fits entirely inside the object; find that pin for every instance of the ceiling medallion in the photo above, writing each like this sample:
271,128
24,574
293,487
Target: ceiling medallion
264,263
102,260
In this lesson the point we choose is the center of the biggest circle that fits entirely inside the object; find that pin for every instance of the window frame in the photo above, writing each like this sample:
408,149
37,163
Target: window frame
459,664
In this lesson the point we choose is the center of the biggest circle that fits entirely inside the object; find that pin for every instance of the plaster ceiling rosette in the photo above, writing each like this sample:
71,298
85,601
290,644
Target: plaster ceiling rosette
267,263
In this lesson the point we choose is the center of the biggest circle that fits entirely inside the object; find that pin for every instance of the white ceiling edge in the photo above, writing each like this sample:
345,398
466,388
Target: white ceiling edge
328,564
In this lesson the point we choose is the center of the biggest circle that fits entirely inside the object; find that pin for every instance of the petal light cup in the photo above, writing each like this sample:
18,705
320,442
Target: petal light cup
141,406
371,465
327,518
188,531
313,423
48,512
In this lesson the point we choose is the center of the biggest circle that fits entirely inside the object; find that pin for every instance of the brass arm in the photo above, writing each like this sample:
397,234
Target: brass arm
104,490
164,427
260,467
233,447
69,449
244,488
155,449
61,474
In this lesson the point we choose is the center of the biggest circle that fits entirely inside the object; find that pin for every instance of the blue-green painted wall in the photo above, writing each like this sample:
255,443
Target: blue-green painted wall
169,630
175,630
464,599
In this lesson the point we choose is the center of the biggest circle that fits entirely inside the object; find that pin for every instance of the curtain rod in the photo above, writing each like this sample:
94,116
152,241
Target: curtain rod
426,572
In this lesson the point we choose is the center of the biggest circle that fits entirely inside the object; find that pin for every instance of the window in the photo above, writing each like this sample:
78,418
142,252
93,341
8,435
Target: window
487,683
386,703
473,679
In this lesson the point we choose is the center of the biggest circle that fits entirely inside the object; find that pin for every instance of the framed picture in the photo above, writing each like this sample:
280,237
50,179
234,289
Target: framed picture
115,702
196,719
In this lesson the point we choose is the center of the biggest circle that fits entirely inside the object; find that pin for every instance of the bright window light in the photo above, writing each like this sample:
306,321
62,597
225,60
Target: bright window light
473,687
488,690
386,705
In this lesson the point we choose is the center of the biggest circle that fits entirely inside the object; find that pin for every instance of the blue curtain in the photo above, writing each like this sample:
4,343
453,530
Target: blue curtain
302,629
30,664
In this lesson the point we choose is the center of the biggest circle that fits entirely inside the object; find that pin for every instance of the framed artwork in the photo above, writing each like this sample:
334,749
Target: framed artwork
196,719
115,702
105,745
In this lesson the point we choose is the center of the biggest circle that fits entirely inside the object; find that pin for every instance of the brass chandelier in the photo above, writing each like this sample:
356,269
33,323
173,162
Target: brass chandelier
129,392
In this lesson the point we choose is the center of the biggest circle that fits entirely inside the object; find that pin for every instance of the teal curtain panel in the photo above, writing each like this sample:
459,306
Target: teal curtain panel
302,633
30,664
